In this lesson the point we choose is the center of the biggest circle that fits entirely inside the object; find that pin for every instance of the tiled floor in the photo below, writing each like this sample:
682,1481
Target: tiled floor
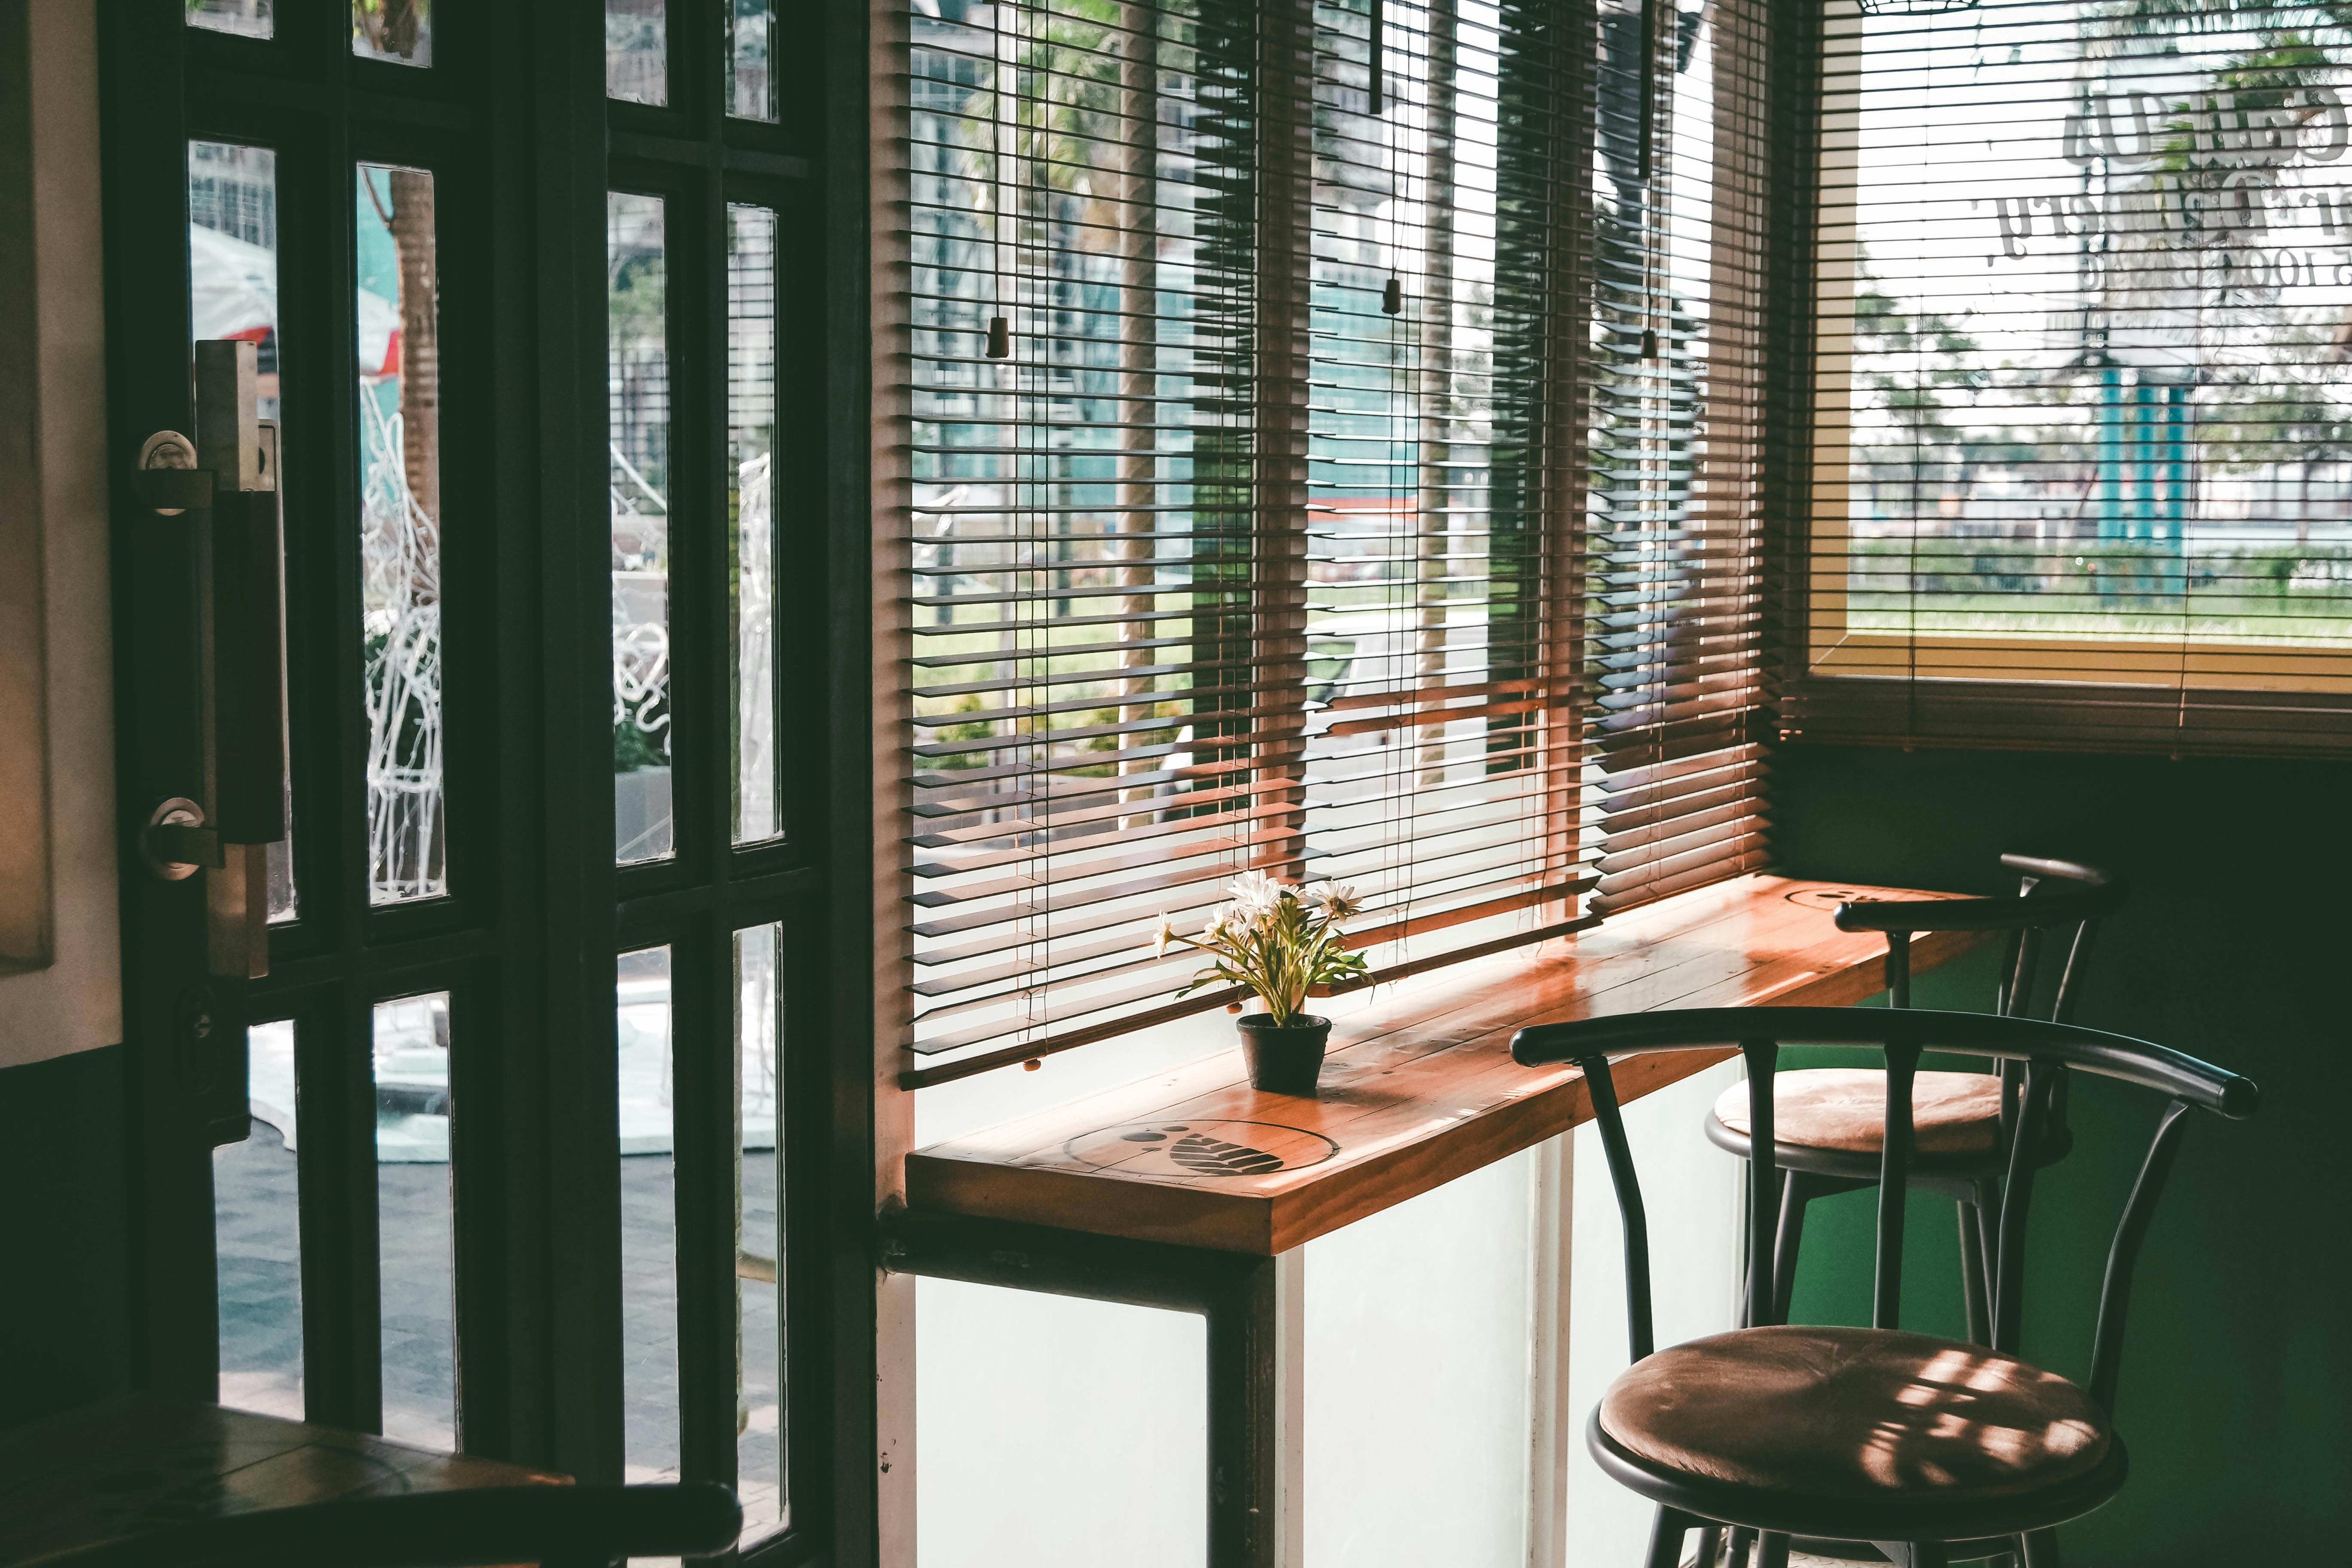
260,1298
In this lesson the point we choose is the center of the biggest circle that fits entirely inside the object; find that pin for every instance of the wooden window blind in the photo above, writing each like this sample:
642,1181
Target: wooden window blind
1304,475
2081,474
1680,158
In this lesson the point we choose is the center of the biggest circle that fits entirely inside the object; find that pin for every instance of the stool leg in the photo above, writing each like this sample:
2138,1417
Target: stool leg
1666,1538
1710,1544
1772,1550
2038,1549
1972,1273
1742,1539
1795,1194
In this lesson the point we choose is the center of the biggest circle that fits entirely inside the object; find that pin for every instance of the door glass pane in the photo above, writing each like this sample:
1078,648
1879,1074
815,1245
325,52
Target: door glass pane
637,50
415,1221
638,366
751,494
759,1233
258,1238
750,26
400,532
249,18
397,30
233,293
648,1221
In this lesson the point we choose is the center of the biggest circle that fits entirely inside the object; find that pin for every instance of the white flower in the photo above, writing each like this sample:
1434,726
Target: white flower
1254,894
1215,929
1337,899
1166,938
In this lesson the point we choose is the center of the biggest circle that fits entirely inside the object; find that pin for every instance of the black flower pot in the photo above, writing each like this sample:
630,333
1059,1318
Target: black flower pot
1286,1059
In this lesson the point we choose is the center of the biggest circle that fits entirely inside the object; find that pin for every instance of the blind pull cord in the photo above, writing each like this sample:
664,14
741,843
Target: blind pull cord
999,329
1393,292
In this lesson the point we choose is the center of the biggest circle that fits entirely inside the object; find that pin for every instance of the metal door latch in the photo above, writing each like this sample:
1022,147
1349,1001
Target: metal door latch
175,844
225,483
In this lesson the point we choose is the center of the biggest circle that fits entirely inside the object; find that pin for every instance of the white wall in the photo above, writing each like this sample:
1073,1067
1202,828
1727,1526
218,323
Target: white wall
59,957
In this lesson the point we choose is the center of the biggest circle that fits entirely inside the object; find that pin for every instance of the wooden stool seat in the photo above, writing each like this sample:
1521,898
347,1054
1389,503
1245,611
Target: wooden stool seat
1844,1108
1816,1423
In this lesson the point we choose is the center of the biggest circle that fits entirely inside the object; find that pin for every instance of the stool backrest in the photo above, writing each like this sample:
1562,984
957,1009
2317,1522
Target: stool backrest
2045,1050
2056,901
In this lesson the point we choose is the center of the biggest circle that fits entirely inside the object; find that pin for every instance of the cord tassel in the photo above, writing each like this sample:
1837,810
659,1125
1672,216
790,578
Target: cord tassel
1393,299
1000,338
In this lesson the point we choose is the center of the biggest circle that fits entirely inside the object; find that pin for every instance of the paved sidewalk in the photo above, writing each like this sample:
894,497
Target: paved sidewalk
261,1319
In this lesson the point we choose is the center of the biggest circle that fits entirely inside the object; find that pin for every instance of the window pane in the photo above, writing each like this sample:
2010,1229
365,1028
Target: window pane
751,28
249,18
400,532
751,440
1693,1211
233,293
648,1220
2084,305
415,1227
1050,1426
759,1233
398,30
638,359
258,1238
1396,1349
637,50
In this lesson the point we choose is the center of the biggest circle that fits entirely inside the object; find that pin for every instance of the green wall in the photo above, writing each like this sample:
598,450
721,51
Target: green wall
2234,946
64,1233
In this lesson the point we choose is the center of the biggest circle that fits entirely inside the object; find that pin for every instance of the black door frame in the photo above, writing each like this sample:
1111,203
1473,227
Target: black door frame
514,123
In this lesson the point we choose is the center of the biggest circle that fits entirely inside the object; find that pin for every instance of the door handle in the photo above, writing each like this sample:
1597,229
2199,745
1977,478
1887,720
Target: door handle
225,484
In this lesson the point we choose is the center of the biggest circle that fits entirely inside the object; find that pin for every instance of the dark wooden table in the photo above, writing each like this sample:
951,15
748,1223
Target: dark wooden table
111,1469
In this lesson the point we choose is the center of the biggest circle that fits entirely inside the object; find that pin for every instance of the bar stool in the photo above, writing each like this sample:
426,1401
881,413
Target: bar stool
1934,1450
1829,1123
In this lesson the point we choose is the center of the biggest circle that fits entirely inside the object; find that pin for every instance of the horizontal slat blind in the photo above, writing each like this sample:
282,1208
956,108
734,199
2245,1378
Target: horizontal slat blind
1444,745
2084,460
1095,738
1676,669
1251,344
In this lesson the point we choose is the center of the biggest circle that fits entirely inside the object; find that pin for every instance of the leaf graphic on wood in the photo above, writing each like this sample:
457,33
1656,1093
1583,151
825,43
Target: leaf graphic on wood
1213,1157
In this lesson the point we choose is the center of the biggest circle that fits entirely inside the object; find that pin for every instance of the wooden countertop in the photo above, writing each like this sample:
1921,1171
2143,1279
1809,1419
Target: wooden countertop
1415,1091
120,1467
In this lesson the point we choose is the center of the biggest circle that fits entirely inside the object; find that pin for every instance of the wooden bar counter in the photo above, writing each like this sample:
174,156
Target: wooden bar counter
1417,1091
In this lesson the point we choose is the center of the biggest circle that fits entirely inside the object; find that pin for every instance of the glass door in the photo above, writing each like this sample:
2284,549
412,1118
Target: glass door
506,1130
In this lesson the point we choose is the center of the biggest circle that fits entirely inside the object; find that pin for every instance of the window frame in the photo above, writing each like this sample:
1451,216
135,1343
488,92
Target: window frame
2151,695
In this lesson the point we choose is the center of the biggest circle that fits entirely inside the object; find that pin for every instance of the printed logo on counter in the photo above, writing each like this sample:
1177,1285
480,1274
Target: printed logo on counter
1185,1149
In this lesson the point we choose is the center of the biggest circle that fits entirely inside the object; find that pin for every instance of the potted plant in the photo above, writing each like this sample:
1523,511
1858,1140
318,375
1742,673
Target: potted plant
1281,942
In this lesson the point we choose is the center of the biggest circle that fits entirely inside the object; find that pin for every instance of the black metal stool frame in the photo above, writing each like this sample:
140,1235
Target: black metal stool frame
1913,1536
1971,1181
